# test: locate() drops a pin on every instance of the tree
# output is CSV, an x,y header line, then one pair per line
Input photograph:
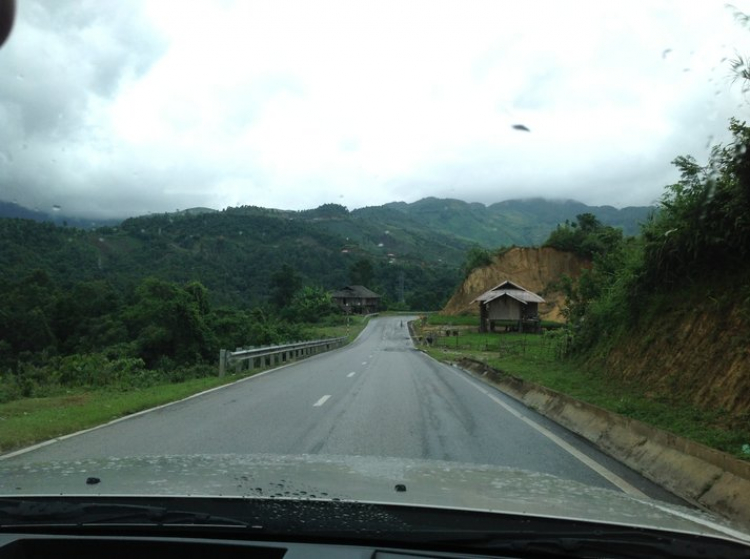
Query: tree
x,y
309,304
586,236
361,272
285,283
477,257
703,225
166,321
82,310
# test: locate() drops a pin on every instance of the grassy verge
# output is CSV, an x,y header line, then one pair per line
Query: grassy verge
x,y
457,320
31,420
535,358
338,327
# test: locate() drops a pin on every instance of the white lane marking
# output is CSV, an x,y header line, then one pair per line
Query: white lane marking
x,y
613,478
322,400
262,374
350,375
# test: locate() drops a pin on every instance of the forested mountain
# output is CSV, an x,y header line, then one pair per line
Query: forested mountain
x,y
415,250
433,224
234,254
513,222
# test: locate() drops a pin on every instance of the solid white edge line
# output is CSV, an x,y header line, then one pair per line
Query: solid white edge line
x,y
704,522
322,400
610,476
54,440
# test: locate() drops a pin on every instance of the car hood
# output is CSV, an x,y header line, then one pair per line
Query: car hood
x,y
389,481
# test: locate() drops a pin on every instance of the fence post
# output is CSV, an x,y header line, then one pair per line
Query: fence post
x,y
222,362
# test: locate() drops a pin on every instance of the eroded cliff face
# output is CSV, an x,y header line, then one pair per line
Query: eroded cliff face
x,y
536,269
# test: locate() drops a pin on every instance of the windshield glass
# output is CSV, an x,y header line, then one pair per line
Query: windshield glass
x,y
482,255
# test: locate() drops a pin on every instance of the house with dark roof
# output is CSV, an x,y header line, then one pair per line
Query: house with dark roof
x,y
510,305
356,299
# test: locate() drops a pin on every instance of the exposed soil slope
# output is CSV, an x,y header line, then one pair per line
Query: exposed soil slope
x,y
693,345
536,269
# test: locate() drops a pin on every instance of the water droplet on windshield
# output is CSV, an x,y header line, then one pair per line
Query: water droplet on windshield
x,y
56,208
521,127
665,53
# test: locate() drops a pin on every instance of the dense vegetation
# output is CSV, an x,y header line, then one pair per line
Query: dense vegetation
x,y
700,235
95,335
234,253
586,236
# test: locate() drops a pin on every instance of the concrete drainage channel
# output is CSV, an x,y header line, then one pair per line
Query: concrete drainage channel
x,y
706,477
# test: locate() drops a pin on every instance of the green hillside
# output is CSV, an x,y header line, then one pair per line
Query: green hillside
x,y
234,252
513,222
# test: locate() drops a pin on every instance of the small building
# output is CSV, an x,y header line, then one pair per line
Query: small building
x,y
356,299
510,305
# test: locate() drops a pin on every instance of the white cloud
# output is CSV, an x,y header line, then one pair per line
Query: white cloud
x,y
120,107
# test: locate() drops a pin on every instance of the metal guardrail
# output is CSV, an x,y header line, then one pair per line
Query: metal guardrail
x,y
274,355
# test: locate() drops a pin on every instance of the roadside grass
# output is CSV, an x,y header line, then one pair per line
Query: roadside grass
x,y
472,321
453,320
65,410
337,327
536,358
31,420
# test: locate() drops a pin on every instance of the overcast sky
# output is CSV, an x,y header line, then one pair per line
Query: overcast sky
x,y
110,108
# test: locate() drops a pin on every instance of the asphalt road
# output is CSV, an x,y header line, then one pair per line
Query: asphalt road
x,y
376,397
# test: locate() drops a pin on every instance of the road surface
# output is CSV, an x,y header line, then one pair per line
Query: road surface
x,y
379,396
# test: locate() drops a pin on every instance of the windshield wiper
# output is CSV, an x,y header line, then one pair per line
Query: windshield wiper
x,y
13,513
618,543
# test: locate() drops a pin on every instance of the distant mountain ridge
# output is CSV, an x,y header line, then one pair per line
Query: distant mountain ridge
x,y
521,222
13,210
235,251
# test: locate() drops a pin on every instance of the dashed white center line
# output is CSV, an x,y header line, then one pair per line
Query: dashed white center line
x,y
364,362
350,375
322,400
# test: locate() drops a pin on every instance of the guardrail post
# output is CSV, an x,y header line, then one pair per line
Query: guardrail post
x,y
222,362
